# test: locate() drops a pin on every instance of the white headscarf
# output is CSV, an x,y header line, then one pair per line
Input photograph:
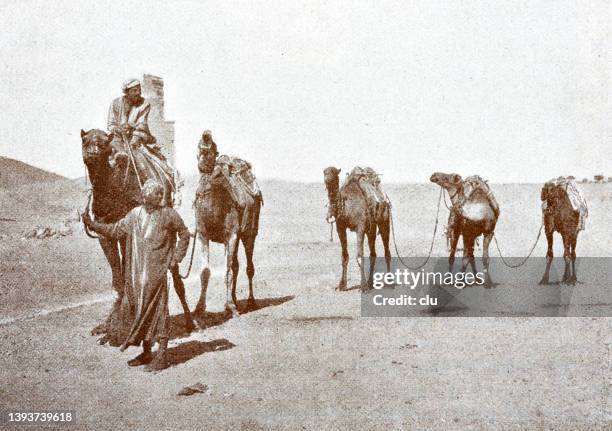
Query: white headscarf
x,y
130,83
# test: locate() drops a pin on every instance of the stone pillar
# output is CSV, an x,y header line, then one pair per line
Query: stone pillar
x,y
153,92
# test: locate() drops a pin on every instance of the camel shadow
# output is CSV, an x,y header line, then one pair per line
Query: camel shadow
x,y
210,319
189,350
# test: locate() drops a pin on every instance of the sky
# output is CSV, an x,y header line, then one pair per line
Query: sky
x,y
515,91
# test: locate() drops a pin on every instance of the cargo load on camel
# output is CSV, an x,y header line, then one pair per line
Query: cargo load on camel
x,y
240,175
243,186
575,197
475,183
369,183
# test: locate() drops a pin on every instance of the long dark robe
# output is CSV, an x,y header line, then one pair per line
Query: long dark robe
x,y
151,245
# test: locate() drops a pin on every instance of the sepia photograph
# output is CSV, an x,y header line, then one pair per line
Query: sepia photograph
x,y
238,215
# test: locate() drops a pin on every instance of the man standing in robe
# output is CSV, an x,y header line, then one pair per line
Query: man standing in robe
x,y
151,232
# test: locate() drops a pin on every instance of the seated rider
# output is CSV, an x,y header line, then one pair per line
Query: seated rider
x,y
128,121
231,172
211,174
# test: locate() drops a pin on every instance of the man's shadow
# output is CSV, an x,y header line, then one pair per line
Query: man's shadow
x,y
191,349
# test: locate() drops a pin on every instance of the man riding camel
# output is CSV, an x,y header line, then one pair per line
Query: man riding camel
x,y
133,144
235,171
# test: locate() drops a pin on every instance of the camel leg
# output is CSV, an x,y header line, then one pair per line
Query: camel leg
x,y
360,262
485,258
204,274
549,257
372,247
468,252
111,252
249,246
472,259
345,256
572,256
384,229
453,249
566,258
454,232
179,288
231,249
235,267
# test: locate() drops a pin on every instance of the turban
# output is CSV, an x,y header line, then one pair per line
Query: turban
x,y
151,186
129,84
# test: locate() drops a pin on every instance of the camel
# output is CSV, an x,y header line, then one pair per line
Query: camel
x,y
350,209
560,216
469,217
226,214
115,191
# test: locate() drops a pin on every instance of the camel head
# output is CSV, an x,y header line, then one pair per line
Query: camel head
x,y
96,146
446,181
207,153
552,192
331,176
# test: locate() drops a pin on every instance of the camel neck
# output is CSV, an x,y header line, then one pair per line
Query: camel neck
x,y
99,175
333,195
455,193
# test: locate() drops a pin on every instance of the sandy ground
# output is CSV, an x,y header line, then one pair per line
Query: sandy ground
x,y
305,359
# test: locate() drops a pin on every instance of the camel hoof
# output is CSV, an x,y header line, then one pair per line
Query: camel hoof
x,y
543,282
190,325
251,304
104,340
232,310
158,364
142,359
341,287
102,328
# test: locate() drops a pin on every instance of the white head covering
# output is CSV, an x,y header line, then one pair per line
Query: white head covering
x,y
151,186
130,83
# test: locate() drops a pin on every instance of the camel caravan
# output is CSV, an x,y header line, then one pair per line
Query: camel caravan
x,y
360,205
134,187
